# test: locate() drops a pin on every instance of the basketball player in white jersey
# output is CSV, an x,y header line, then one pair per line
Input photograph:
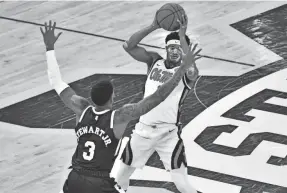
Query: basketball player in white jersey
x,y
159,129
92,163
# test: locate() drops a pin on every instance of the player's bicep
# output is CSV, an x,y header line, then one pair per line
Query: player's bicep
x,y
140,54
76,103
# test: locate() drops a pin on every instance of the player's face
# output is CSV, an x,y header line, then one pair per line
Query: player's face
x,y
174,53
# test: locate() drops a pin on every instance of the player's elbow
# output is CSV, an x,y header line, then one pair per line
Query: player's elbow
x,y
193,77
127,47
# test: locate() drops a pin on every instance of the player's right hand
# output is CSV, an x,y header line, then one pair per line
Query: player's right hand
x,y
191,55
183,21
49,35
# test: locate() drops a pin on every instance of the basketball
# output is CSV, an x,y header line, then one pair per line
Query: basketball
x,y
167,16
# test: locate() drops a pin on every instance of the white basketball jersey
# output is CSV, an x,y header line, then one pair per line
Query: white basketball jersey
x,y
168,110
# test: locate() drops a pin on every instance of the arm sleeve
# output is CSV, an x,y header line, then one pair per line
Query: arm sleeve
x,y
54,74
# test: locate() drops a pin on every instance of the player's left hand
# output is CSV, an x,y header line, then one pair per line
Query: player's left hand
x,y
49,35
183,21
191,55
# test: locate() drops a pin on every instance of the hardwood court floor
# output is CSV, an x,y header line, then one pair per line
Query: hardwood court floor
x,y
23,73
34,152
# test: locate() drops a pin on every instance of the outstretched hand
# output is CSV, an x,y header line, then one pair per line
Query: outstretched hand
x,y
49,35
191,55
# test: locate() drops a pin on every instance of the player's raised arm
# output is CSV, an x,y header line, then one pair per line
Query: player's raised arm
x,y
137,52
192,72
67,94
133,111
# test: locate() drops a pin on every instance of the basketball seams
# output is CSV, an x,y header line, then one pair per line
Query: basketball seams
x,y
165,16
174,9
171,22
175,12
163,10
171,4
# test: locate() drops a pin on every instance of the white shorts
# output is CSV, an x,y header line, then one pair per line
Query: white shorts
x,y
146,139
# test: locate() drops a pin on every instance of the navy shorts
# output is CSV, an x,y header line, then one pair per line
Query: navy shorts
x,y
81,183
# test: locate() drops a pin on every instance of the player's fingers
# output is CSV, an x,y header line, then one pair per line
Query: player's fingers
x,y
198,51
189,47
46,27
186,18
58,35
42,31
54,26
194,47
179,22
50,25
183,19
198,57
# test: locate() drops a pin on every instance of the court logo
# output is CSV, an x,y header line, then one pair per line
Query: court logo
x,y
244,134
237,145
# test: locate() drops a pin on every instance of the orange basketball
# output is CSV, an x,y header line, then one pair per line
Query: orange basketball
x,y
167,16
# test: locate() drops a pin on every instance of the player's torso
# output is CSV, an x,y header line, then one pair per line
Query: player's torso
x,y
167,111
96,141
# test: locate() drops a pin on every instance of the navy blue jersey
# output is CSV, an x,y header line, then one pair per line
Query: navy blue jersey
x,y
97,143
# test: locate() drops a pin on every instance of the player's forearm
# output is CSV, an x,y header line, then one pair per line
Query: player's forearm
x,y
192,73
139,36
164,91
183,43
54,74
134,111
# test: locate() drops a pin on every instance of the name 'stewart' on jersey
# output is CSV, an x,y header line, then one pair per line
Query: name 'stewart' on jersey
x,y
90,129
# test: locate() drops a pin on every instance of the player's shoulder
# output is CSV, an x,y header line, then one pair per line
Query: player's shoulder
x,y
155,58
84,115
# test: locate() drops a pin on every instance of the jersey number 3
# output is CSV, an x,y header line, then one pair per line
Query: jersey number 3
x,y
90,155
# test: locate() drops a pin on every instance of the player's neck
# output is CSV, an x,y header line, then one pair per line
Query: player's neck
x,y
102,108
169,64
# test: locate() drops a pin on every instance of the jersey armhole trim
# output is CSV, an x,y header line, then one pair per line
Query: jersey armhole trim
x,y
185,82
83,113
153,63
112,120
118,148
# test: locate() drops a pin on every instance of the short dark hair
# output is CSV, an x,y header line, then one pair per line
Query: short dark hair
x,y
175,36
101,92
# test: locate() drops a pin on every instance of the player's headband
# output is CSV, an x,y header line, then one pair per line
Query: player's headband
x,y
177,42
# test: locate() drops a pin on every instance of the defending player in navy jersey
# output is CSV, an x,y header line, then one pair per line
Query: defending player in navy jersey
x,y
159,129
99,127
